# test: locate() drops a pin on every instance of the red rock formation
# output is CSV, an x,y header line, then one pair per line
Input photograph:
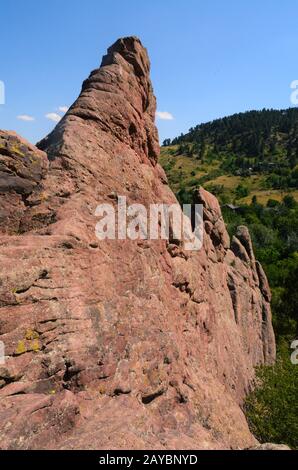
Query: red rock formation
x,y
119,344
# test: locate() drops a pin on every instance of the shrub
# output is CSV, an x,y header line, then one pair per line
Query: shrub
x,y
272,408
241,191
289,201
272,203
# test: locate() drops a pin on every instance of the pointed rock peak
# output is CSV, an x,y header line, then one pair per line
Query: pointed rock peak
x,y
132,50
117,99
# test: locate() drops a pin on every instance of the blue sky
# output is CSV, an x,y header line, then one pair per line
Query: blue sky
x,y
209,58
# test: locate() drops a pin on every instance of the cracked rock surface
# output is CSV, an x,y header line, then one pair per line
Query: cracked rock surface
x,y
119,344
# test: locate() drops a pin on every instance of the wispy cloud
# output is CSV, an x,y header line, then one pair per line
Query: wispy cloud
x,y
53,117
25,117
165,115
63,109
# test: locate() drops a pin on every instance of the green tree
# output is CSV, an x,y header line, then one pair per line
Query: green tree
x,y
272,408
289,201
241,191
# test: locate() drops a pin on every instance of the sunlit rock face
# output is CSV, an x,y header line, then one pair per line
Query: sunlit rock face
x,y
119,344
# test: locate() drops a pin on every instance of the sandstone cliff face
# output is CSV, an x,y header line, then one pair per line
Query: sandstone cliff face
x,y
119,344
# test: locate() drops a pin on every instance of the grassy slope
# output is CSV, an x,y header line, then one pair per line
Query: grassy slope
x,y
183,170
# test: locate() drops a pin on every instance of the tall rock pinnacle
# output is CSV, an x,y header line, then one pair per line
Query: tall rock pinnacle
x,y
119,343
118,98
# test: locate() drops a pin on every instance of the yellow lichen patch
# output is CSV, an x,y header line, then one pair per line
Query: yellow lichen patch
x,y
21,348
43,196
29,343
101,390
15,149
31,334
35,345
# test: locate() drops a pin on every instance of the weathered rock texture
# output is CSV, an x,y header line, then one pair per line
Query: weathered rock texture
x,y
119,344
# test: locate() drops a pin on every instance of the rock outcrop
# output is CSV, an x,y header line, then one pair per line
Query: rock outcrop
x,y
119,343
22,170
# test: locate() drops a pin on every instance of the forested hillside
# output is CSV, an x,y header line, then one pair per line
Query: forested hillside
x,y
261,145
250,162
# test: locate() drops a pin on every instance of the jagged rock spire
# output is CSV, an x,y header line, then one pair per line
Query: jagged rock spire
x,y
153,346
118,98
